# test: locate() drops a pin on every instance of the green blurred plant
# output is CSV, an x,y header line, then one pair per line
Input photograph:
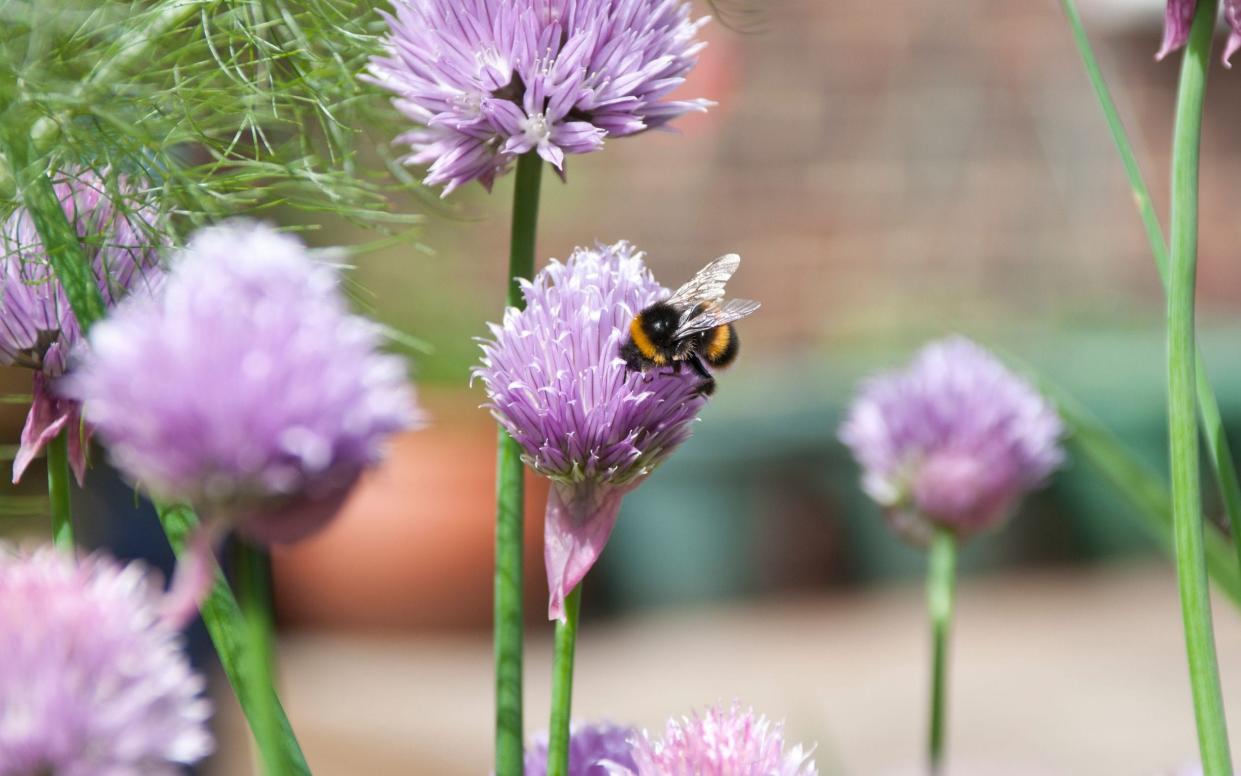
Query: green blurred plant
x,y
221,106
1188,394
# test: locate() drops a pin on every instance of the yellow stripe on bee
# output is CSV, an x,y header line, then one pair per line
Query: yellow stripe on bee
x,y
643,343
720,340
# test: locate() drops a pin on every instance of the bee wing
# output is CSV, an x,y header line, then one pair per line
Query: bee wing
x,y
708,284
717,315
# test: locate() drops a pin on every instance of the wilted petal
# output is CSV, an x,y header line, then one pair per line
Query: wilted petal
x,y
192,579
1232,14
79,442
579,520
1178,18
48,416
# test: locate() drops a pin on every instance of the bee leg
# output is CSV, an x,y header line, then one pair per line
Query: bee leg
x,y
707,386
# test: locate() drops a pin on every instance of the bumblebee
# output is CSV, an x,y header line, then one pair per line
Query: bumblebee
x,y
693,325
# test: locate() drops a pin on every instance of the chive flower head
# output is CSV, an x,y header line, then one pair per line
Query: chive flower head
x,y
557,384
244,386
595,749
723,741
954,440
93,680
120,236
486,81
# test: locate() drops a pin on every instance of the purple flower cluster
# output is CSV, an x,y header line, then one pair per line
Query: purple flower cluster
x,y
489,80
721,742
37,327
954,440
93,681
1179,17
730,741
245,386
555,381
596,749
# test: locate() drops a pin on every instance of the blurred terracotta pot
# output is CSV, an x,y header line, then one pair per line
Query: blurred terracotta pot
x,y
413,545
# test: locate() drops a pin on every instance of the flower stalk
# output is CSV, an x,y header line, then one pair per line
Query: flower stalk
x,y
510,499
940,584
229,633
1182,408
58,490
254,585
562,685
1218,451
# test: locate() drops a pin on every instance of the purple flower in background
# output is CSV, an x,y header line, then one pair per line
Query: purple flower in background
x,y
555,381
954,440
489,80
721,742
597,749
37,327
245,386
1179,17
93,681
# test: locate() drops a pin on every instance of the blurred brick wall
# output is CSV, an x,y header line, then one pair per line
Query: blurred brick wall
x,y
885,167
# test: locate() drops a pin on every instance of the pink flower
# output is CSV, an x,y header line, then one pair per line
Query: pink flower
x,y
722,741
93,680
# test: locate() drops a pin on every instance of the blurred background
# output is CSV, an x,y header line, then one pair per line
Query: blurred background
x,y
890,173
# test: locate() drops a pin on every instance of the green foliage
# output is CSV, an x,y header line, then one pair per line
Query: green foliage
x,y
224,106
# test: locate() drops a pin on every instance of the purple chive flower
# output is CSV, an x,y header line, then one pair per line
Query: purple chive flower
x,y
245,386
489,80
37,326
556,382
721,742
954,440
596,749
1179,17
93,681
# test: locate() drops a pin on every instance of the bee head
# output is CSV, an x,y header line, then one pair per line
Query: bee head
x,y
660,322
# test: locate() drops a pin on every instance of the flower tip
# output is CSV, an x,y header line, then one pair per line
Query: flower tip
x,y
190,582
1234,43
576,528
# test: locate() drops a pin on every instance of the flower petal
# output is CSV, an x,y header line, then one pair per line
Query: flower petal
x,y
579,520
1232,14
1177,19
47,417
192,579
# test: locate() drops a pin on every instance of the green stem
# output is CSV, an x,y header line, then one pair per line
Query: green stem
x,y
940,581
1140,484
58,490
253,570
1187,519
562,685
126,54
1218,450
510,501
229,633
